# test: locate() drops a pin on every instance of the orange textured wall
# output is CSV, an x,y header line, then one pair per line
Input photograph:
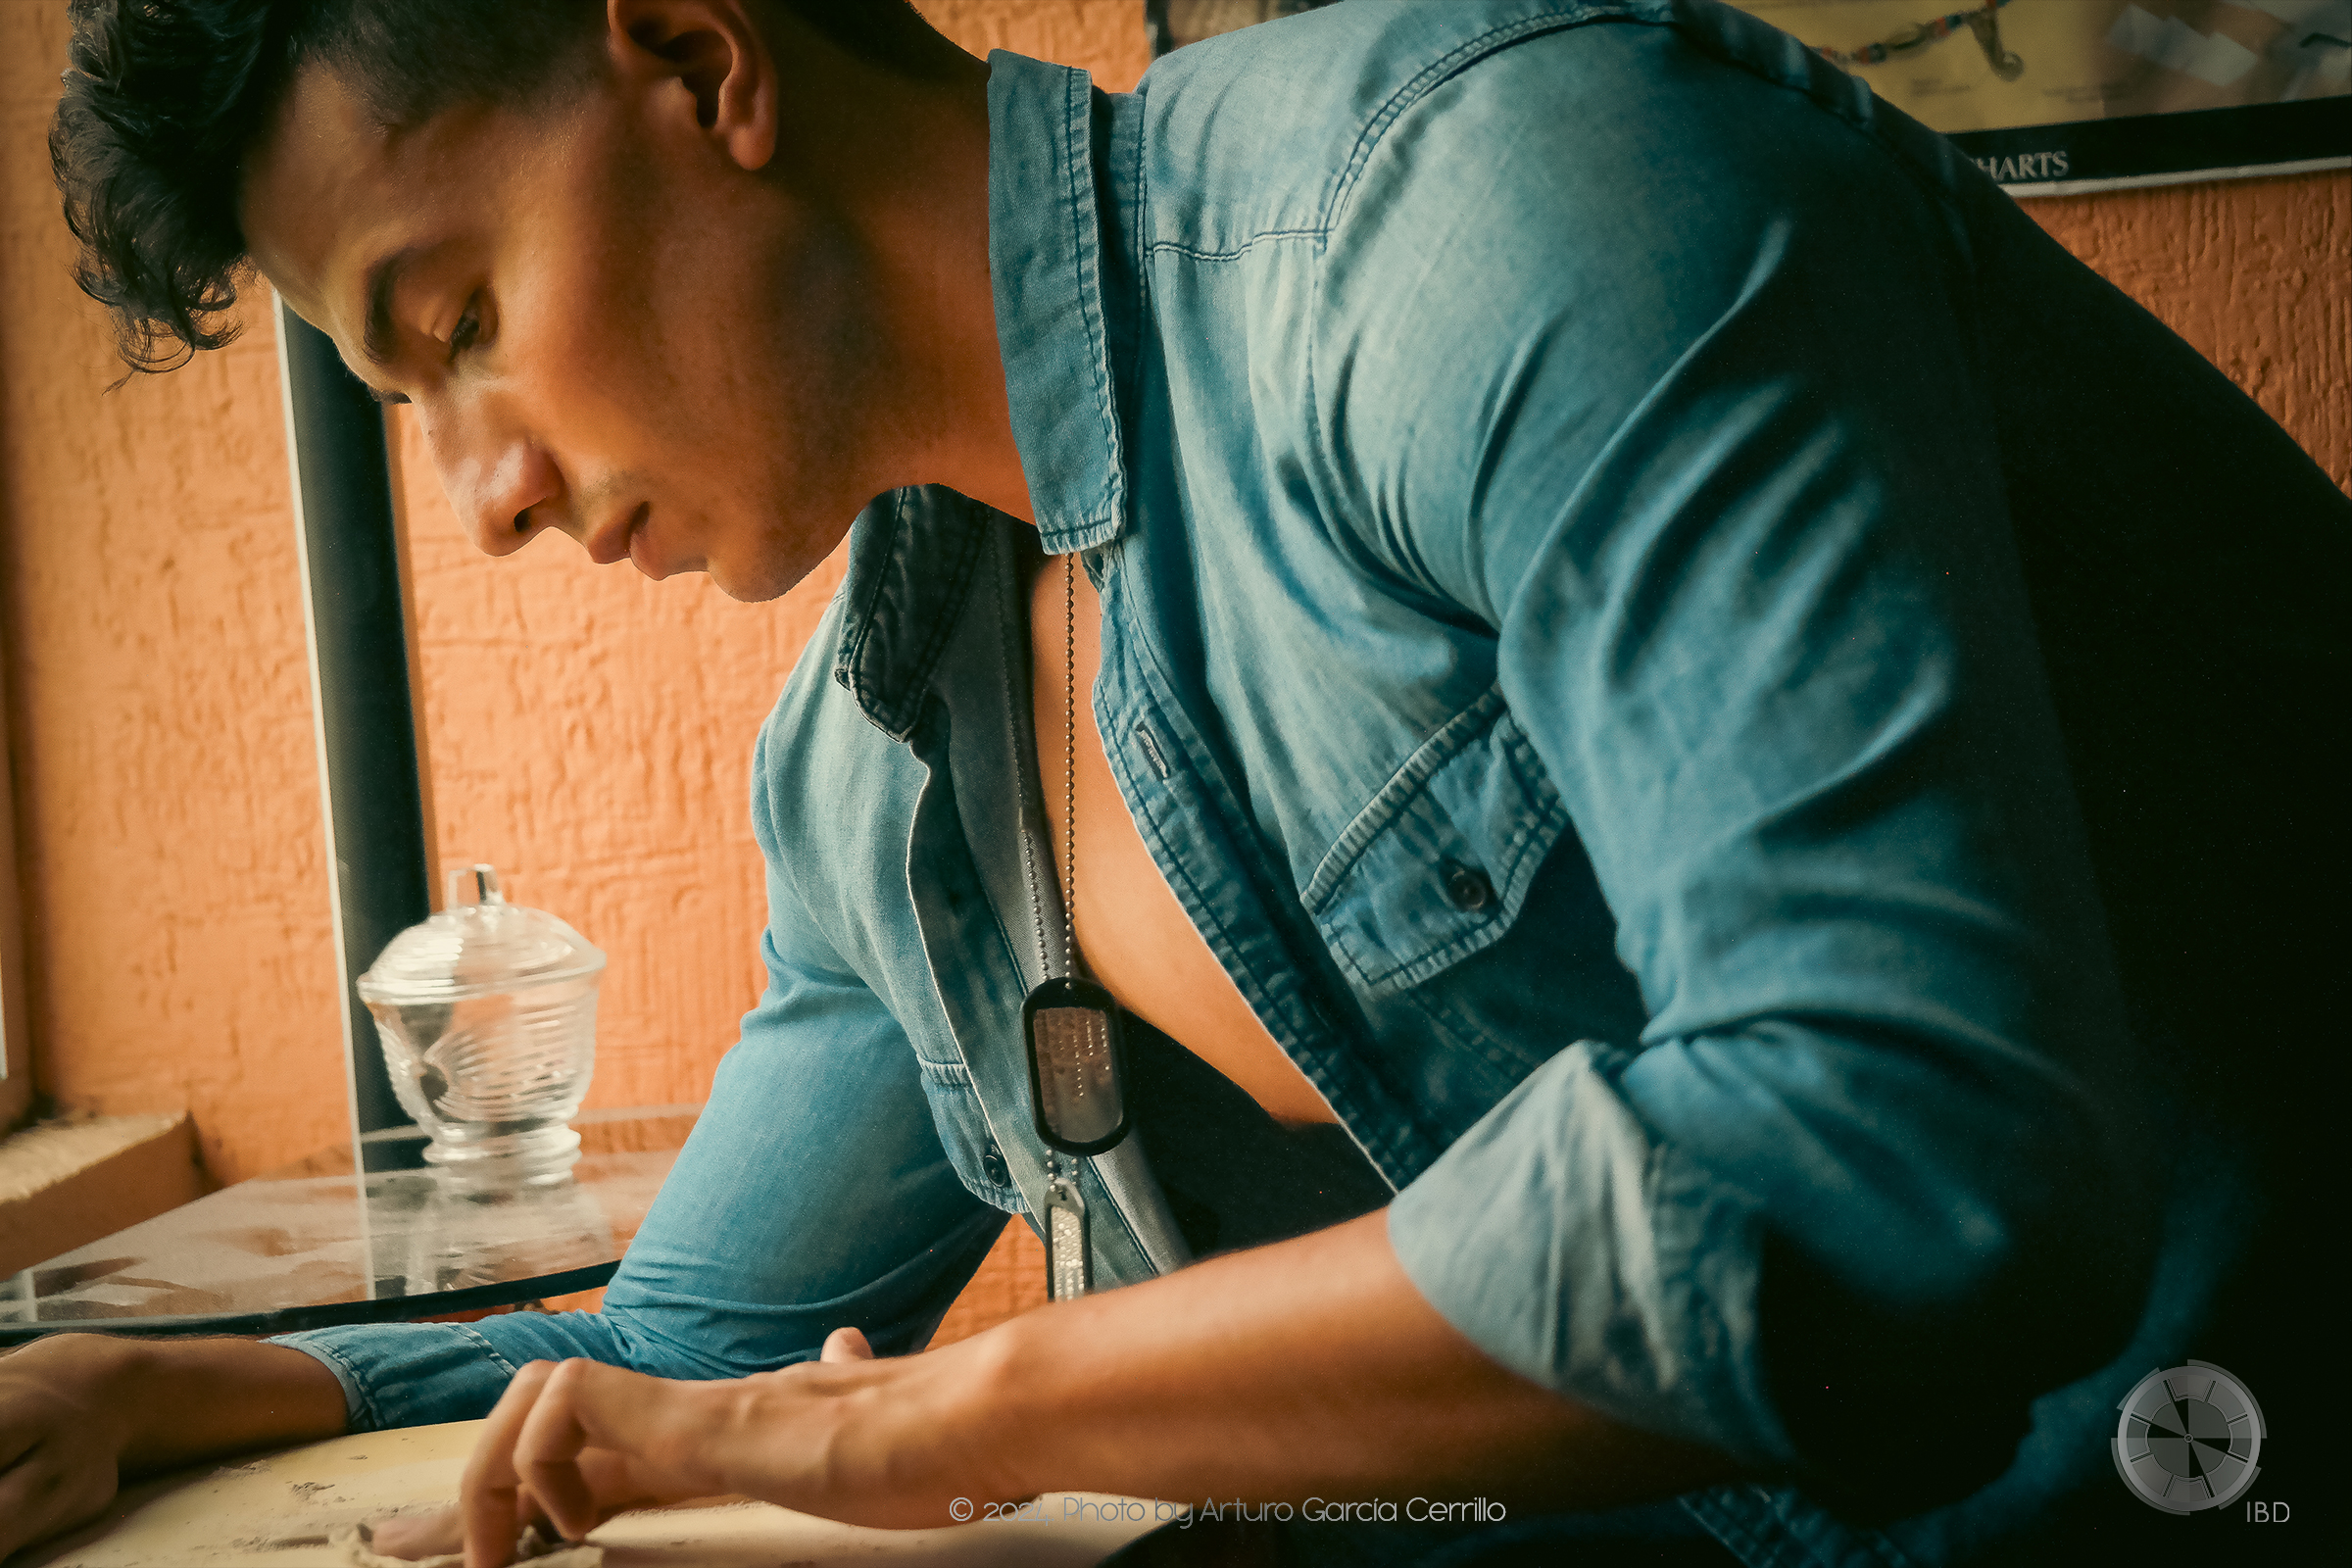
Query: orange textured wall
x,y
2257,274
586,730
170,853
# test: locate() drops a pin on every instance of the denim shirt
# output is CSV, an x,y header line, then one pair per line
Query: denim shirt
x,y
1575,661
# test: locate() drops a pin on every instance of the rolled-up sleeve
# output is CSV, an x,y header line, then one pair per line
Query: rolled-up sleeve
x,y
1649,1311
1717,468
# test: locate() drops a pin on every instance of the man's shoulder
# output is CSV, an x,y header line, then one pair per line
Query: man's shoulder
x,y
1268,132
1260,131
1253,133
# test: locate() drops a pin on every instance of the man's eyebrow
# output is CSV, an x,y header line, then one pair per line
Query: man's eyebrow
x,y
376,342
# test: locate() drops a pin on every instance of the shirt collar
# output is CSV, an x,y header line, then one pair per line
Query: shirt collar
x,y
911,556
1046,255
912,553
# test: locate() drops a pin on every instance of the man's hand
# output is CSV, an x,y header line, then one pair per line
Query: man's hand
x,y
63,1428
573,1443
80,1411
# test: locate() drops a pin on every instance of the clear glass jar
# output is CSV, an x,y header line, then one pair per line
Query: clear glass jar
x,y
487,1017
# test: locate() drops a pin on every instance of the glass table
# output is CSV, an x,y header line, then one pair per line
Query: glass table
x,y
320,1241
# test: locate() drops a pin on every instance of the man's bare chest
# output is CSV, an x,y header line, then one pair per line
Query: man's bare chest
x,y
1132,934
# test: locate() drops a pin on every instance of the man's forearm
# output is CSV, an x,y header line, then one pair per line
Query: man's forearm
x,y
182,1400
220,1395
1312,1368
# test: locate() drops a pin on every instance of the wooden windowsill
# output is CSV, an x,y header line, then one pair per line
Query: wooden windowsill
x,y
68,1182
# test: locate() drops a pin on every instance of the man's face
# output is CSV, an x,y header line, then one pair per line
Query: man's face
x,y
607,326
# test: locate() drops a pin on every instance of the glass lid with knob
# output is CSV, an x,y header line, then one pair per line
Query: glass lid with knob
x,y
475,949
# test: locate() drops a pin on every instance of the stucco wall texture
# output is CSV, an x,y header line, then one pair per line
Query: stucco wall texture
x,y
586,730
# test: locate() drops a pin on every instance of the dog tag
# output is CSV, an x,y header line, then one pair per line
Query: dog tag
x,y
1070,1269
1075,1063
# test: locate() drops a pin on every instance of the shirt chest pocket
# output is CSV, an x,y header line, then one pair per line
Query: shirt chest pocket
x,y
964,1131
1436,866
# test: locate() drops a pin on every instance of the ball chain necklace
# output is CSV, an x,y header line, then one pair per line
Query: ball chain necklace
x,y
1071,1024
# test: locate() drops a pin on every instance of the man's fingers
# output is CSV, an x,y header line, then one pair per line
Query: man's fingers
x,y
581,1449
490,1503
547,1450
572,1442
41,1493
420,1534
846,1345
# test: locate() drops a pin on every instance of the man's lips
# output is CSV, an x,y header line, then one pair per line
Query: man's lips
x,y
641,550
617,539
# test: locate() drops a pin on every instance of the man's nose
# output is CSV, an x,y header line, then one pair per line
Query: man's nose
x,y
505,490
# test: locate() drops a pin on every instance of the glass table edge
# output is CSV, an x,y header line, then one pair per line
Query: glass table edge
x,y
322,1315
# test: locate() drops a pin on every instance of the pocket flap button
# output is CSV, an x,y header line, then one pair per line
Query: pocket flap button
x,y
1467,887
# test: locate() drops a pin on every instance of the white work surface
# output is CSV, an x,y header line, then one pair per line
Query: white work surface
x,y
278,1510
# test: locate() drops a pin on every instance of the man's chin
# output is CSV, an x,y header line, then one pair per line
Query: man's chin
x,y
773,565
756,583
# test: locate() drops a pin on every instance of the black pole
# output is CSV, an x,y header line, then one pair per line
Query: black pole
x,y
366,723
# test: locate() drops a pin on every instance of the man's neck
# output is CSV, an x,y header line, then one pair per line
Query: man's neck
x,y
907,162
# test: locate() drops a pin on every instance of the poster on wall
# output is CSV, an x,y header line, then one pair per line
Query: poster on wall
x,y
2051,97
2057,96
1173,23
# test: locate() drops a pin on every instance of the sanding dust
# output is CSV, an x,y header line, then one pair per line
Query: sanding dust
x,y
357,1539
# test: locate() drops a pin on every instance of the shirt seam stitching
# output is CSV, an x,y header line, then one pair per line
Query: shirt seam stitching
x,y
1376,128
956,589
1395,1140
355,1387
957,1075
1203,254
1005,586
1434,75
1864,124
488,1348
1407,779
1078,125
853,657
1151,826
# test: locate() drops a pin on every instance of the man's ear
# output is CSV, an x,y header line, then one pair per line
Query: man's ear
x,y
708,51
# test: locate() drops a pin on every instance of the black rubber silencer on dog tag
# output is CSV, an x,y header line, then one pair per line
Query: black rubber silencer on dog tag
x,y
1075,1066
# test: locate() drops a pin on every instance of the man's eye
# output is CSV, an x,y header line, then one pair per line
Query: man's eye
x,y
467,333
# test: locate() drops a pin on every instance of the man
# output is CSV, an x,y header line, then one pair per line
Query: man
x,y
1646,652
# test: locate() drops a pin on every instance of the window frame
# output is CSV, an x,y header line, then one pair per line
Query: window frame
x,y
16,1041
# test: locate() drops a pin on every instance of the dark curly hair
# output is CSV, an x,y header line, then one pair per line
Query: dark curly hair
x,y
164,98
